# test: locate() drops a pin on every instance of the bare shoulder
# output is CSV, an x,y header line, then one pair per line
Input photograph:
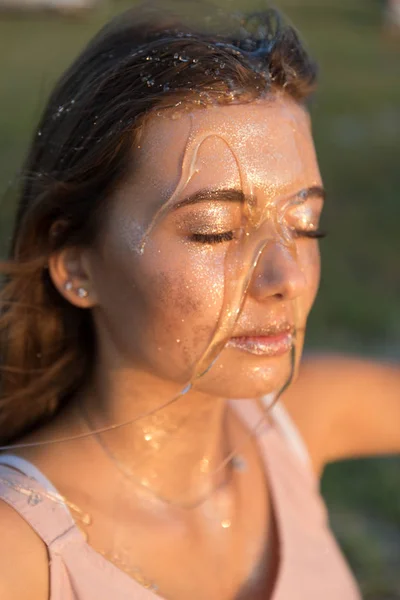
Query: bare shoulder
x,y
24,565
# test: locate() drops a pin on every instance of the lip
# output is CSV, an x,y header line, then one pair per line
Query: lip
x,y
273,344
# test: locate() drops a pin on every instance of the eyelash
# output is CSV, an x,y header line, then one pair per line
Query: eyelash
x,y
212,238
317,234
227,236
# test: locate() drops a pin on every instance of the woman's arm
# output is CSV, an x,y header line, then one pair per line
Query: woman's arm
x,y
346,407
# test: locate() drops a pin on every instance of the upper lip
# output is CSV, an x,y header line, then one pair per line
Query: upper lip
x,y
266,331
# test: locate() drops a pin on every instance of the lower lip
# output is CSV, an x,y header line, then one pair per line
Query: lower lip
x,y
274,345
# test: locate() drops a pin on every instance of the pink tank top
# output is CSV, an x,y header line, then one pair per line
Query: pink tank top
x,y
311,565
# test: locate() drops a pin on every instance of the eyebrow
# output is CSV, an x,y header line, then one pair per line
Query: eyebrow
x,y
236,195
207,195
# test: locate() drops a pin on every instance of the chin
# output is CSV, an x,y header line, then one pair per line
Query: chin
x,y
248,376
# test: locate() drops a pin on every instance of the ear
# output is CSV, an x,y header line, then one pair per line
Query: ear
x,y
70,272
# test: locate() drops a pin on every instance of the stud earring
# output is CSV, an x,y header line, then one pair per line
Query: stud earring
x,y
68,286
82,293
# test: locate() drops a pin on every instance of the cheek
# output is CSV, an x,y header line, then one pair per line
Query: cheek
x,y
172,294
185,289
184,297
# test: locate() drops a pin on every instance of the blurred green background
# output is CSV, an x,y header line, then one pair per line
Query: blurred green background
x,y
356,117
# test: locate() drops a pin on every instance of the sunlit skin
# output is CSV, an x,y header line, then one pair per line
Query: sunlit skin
x,y
161,482
172,295
156,312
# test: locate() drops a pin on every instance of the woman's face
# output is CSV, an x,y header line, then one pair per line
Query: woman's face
x,y
213,224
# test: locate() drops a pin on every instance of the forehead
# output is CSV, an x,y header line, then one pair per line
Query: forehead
x,y
266,145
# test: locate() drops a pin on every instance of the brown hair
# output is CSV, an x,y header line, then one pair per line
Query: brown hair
x,y
83,148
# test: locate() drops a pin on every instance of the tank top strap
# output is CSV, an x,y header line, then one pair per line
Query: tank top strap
x,y
34,498
287,429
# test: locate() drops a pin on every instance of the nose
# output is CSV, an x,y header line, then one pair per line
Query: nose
x,y
277,274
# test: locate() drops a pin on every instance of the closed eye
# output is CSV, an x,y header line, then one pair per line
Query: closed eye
x,y
212,238
227,236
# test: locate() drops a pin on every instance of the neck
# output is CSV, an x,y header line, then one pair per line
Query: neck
x,y
175,450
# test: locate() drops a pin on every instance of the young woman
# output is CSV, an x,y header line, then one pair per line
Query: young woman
x,y
163,265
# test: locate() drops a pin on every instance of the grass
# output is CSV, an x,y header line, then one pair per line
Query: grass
x,y
356,117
